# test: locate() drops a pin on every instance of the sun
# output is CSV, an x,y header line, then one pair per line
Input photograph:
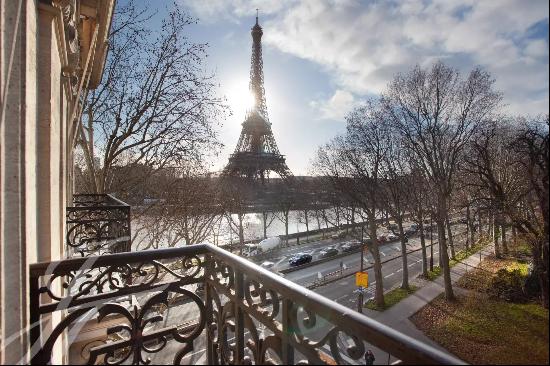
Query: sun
x,y
240,98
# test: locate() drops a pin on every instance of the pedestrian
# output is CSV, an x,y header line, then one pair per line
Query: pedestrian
x,y
369,358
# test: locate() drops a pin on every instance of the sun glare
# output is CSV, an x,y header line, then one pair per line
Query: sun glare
x,y
240,98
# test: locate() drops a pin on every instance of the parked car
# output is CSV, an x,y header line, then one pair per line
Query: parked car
x,y
299,259
410,231
351,246
267,264
328,252
382,239
392,237
392,227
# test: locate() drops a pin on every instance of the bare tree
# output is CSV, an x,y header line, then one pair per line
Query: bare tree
x,y
495,175
436,112
234,199
532,143
418,206
184,215
396,192
353,165
155,108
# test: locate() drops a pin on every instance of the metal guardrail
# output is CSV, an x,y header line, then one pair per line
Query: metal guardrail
x,y
98,224
247,314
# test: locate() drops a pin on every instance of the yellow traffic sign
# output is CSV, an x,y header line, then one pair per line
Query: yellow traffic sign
x,y
362,279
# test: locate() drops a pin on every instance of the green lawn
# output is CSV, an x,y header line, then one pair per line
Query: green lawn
x,y
483,331
391,298
432,275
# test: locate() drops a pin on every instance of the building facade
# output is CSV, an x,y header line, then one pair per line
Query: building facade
x,y
51,53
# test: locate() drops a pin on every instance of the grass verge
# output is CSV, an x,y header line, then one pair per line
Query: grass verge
x,y
432,275
483,331
463,254
391,298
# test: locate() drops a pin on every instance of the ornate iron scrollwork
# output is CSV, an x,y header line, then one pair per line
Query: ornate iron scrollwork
x,y
246,314
97,224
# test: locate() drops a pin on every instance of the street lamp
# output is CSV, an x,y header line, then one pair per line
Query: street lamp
x,y
360,298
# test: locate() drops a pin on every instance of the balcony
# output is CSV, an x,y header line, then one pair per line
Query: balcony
x,y
97,224
142,307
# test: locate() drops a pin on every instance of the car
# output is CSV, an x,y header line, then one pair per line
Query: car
x,y
267,264
392,237
382,239
299,259
328,252
410,231
347,247
351,246
392,227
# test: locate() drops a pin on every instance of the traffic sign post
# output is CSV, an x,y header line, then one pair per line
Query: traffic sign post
x,y
362,281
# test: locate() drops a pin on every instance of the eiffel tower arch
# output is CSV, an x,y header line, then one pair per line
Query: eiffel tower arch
x,y
256,154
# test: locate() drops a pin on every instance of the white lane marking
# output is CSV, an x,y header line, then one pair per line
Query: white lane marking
x,y
384,254
418,261
412,264
194,353
389,275
399,270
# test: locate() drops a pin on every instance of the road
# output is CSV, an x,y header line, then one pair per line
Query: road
x,y
342,290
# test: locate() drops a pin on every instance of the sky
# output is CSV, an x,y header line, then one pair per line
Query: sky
x,y
324,57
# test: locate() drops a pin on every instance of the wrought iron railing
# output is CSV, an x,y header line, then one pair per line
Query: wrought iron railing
x,y
245,314
97,224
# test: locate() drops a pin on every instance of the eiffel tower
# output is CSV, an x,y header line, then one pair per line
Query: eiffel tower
x,y
256,154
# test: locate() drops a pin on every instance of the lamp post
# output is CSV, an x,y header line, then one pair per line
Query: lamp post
x,y
431,244
360,298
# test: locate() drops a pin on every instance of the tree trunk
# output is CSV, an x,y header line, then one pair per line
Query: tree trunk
x,y
450,236
442,215
319,225
379,289
495,226
431,245
472,230
423,246
286,226
405,275
504,241
307,224
264,215
479,224
241,234
468,228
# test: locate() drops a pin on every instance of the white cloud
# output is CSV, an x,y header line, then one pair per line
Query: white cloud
x,y
363,44
212,10
336,107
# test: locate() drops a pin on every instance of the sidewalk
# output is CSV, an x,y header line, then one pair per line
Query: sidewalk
x,y
397,317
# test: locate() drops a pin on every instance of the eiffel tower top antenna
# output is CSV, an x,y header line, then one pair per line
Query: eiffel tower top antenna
x,y
257,15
